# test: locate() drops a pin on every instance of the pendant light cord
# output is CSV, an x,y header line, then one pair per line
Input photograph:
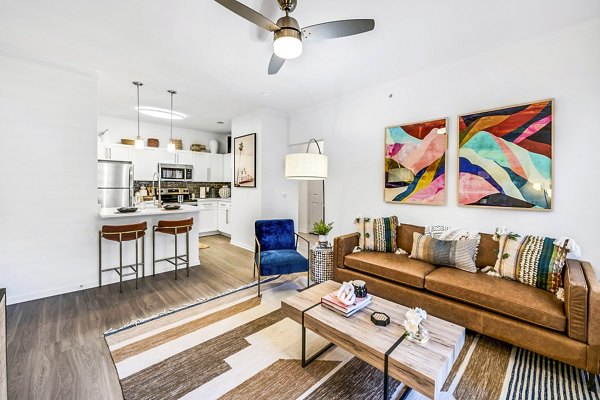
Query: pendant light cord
x,y
138,109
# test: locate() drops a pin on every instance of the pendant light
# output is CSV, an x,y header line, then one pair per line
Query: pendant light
x,y
171,145
139,142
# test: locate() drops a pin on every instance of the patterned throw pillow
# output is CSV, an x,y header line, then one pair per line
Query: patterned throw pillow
x,y
533,260
452,253
377,234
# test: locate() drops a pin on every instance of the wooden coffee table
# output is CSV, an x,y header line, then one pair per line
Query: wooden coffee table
x,y
422,367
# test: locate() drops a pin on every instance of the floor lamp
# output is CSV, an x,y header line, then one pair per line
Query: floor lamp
x,y
307,167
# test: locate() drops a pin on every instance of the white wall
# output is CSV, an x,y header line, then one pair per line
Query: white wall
x,y
564,66
274,196
48,162
246,203
127,129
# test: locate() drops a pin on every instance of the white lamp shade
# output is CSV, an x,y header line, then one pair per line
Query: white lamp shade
x,y
306,166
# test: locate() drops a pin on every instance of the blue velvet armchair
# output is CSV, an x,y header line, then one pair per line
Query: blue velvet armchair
x,y
276,246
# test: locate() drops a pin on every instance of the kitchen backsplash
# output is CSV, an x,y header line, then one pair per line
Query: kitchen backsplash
x,y
211,191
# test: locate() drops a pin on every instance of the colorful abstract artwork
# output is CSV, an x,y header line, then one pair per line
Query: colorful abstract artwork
x,y
505,157
415,163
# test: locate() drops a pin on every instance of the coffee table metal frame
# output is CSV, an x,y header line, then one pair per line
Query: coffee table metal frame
x,y
386,379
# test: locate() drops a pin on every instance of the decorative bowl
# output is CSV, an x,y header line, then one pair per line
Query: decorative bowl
x,y
171,207
125,210
129,142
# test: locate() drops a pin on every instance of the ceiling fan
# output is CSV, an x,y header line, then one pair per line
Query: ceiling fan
x,y
288,35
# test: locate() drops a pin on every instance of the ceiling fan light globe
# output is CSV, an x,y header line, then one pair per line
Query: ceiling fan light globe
x,y
287,44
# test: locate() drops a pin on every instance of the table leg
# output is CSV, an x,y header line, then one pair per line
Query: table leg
x,y
386,383
305,361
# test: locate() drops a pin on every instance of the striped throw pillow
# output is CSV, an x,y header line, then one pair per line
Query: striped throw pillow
x,y
533,260
377,234
451,253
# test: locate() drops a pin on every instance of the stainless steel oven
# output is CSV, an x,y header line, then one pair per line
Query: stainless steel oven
x,y
175,172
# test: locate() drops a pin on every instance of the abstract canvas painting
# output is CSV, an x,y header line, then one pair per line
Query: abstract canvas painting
x,y
415,163
505,157
244,161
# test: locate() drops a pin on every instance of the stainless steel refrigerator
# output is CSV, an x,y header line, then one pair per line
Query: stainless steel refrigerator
x,y
115,183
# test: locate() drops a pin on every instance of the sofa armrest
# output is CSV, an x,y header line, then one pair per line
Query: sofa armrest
x,y
576,301
593,330
342,246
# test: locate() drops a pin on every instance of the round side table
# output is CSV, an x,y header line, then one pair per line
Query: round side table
x,y
321,264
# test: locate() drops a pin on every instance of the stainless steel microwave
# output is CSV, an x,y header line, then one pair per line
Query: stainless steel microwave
x,y
175,172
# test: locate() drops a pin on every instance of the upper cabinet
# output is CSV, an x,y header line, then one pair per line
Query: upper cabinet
x,y
145,163
216,168
116,152
201,163
175,157
227,168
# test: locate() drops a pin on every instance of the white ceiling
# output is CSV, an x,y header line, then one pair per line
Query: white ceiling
x,y
218,62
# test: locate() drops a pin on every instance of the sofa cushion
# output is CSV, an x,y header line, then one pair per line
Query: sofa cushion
x,y
405,236
377,234
395,267
510,298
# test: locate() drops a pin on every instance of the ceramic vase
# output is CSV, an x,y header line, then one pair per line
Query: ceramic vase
x,y
225,192
213,146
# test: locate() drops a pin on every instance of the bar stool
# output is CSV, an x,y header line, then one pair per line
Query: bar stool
x,y
123,233
173,228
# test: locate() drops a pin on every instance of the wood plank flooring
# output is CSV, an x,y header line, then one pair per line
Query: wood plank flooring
x,y
55,345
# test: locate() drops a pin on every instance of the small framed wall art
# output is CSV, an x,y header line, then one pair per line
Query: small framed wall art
x,y
244,161
415,163
505,157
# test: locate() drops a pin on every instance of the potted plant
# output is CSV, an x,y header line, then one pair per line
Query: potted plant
x,y
322,229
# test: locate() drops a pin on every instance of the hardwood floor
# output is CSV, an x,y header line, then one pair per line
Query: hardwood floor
x,y
55,345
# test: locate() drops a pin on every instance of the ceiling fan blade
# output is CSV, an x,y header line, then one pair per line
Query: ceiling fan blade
x,y
336,29
249,14
275,64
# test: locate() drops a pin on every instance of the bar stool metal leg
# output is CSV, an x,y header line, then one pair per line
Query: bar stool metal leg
x,y
100,258
120,266
137,264
153,251
143,256
176,259
187,251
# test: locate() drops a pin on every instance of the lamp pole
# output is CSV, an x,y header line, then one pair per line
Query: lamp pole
x,y
322,181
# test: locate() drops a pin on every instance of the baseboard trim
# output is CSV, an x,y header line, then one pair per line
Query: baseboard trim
x,y
242,245
88,285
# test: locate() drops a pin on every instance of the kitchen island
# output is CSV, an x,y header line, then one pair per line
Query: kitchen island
x,y
165,244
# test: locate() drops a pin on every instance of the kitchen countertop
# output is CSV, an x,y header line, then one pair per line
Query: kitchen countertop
x,y
215,199
149,211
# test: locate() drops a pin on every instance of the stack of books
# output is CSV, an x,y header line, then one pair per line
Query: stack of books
x,y
331,302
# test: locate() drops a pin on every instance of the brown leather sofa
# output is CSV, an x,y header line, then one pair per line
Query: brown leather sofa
x,y
524,316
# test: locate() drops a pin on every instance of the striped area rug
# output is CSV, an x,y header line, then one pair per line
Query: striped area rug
x,y
241,347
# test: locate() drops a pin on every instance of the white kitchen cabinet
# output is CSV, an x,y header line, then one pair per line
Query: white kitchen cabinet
x,y
216,168
175,157
115,152
227,168
208,220
184,157
201,163
224,217
166,157
145,163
